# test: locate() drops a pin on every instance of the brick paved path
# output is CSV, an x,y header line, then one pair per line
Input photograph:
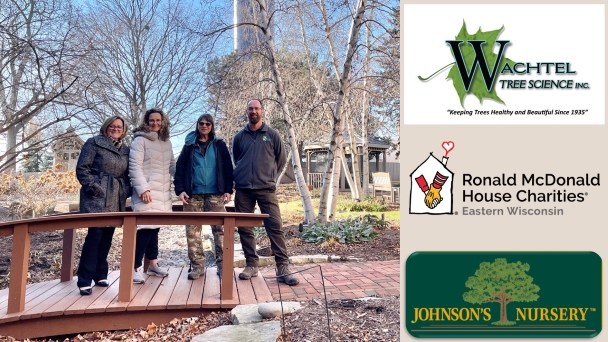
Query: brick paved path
x,y
343,280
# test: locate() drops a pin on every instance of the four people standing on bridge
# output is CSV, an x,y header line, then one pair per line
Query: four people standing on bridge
x,y
203,181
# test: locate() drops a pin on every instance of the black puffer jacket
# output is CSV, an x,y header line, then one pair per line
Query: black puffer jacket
x,y
103,172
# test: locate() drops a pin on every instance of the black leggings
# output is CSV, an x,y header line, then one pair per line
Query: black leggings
x,y
146,243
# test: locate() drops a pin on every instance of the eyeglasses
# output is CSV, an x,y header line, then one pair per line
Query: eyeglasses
x,y
205,124
118,128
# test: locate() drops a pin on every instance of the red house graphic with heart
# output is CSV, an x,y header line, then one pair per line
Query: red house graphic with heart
x,y
431,185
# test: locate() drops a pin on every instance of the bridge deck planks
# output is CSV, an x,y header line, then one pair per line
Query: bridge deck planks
x,y
62,300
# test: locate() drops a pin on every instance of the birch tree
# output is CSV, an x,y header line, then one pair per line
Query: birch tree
x,y
330,190
309,214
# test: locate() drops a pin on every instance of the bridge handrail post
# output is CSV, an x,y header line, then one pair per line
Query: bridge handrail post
x,y
127,260
19,264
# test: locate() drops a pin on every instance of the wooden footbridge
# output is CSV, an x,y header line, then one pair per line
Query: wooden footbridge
x,y
57,308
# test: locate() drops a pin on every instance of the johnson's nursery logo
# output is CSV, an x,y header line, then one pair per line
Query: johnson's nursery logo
x,y
504,297
436,198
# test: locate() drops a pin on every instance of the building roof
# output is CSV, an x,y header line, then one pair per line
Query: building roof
x,y
69,136
323,143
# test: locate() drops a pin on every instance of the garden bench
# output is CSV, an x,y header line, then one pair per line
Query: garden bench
x,y
381,181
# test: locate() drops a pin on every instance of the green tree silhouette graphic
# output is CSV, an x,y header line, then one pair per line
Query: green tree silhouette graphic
x,y
501,282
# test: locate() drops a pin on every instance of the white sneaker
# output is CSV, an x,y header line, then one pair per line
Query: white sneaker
x,y
156,271
138,277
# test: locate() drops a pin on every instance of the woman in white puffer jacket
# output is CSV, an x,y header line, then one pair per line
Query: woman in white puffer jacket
x,y
151,166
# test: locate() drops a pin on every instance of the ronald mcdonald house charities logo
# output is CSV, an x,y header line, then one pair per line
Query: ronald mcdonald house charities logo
x,y
503,294
436,198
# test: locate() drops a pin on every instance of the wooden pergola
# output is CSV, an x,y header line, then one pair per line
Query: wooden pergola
x,y
316,157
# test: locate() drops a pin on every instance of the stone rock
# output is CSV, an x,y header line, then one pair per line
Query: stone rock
x,y
299,259
273,309
256,332
245,314
239,261
307,259
319,258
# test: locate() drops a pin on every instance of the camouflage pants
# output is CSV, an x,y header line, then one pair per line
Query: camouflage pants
x,y
204,203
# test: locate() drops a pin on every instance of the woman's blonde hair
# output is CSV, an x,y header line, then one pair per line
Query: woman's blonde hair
x,y
108,122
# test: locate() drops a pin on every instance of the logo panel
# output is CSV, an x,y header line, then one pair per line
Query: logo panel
x,y
503,294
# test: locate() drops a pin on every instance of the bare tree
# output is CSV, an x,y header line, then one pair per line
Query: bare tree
x,y
234,79
309,34
39,62
360,59
386,99
148,54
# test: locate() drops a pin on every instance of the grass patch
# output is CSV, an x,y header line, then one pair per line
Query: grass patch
x,y
368,204
293,212
504,324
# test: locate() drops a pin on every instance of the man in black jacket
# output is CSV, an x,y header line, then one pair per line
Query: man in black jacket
x,y
259,155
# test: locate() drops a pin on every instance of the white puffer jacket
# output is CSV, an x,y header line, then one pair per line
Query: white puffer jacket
x,y
151,166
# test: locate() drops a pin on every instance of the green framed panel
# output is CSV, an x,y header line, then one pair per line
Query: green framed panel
x,y
503,294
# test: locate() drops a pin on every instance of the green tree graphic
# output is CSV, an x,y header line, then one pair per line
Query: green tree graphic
x,y
501,282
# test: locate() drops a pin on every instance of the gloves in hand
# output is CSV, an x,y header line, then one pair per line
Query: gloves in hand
x,y
432,198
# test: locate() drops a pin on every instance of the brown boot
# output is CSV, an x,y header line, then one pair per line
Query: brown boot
x,y
284,276
196,272
248,272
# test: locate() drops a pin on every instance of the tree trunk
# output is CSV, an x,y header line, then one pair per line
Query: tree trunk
x,y
337,136
503,306
355,188
309,213
11,155
365,113
278,181
349,178
338,152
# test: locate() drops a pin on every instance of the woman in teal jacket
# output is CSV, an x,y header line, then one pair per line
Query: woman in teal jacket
x,y
203,181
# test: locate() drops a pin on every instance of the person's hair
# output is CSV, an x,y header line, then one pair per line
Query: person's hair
x,y
260,101
163,134
209,118
108,122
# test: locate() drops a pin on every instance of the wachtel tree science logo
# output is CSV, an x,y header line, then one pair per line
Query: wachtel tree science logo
x,y
477,67
503,294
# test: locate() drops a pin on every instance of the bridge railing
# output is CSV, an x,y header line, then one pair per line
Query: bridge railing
x,y
21,231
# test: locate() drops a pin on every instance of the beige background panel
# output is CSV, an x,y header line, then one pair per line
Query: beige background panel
x,y
490,151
